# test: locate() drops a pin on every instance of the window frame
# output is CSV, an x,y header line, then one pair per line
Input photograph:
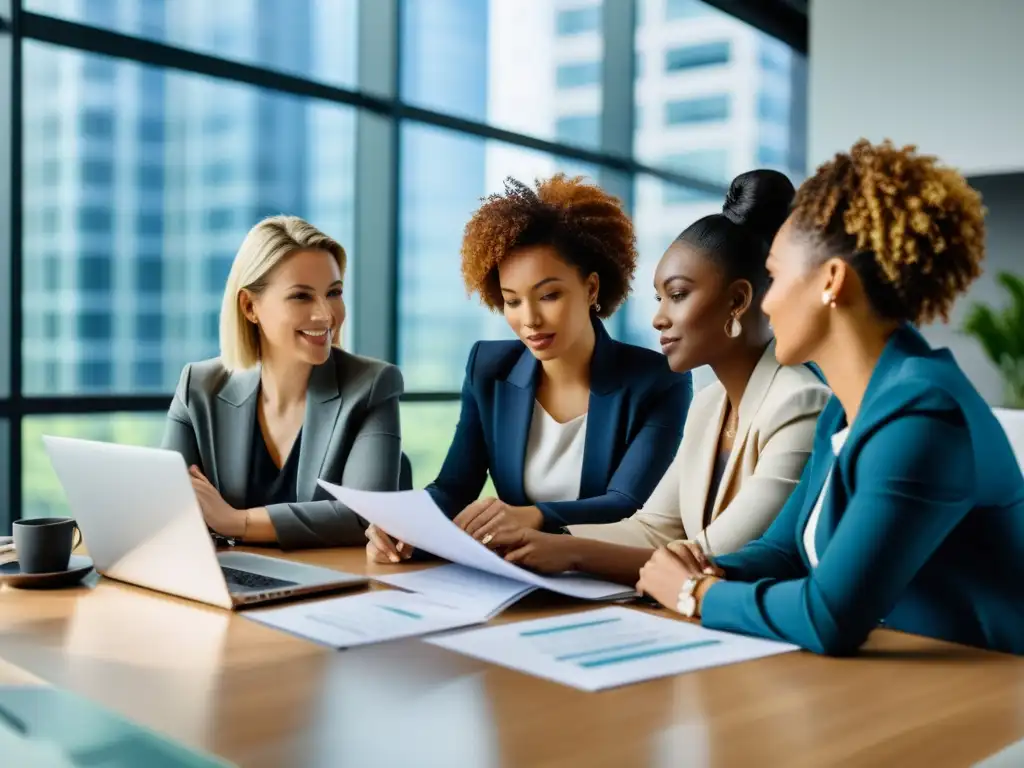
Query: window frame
x,y
380,114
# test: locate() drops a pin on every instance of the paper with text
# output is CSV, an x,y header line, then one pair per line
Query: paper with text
x,y
459,586
607,647
413,517
372,617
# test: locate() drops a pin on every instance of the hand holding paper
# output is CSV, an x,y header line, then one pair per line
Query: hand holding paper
x,y
412,517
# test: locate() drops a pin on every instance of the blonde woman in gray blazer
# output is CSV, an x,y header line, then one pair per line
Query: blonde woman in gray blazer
x,y
747,437
283,405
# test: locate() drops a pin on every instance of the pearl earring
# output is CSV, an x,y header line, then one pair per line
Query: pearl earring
x,y
733,327
828,299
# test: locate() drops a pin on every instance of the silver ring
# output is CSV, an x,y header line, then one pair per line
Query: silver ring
x,y
487,539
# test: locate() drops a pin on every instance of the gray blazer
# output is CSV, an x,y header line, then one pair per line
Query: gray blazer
x,y
351,436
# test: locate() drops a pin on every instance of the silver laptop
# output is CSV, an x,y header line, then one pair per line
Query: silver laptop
x,y
142,524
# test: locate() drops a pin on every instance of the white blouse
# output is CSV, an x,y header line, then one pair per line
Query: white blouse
x,y
554,457
838,440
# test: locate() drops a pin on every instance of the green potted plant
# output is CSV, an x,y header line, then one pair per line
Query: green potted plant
x,y
1001,334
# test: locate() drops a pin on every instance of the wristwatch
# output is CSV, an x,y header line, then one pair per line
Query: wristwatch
x,y
687,602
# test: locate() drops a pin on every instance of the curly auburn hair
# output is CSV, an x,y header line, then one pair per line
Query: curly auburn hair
x,y
912,229
585,224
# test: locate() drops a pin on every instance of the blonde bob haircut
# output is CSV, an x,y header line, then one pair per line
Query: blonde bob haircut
x,y
268,244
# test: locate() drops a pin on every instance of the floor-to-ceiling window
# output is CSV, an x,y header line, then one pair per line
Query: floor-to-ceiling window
x,y
141,139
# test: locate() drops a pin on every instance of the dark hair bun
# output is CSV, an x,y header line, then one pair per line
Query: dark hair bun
x,y
759,201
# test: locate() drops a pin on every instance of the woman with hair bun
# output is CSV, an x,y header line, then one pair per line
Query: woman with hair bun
x,y
747,436
910,513
571,425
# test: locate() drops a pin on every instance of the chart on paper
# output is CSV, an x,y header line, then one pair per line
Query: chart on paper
x,y
608,647
372,617
607,641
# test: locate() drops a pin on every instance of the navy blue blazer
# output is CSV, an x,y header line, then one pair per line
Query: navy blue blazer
x,y
637,409
922,528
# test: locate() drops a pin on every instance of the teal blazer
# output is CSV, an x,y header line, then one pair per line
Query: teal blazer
x,y
922,529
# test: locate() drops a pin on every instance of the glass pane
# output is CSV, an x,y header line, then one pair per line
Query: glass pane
x,y
532,67
137,193
5,485
444,175
716,97
427,431
661,212
310,38
42,493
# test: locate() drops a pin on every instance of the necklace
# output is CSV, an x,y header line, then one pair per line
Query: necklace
x,y
731,423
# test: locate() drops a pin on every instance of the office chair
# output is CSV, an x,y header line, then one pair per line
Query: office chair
x,y
405,474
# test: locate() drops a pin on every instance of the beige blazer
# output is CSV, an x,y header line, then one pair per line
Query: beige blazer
x,y
777,417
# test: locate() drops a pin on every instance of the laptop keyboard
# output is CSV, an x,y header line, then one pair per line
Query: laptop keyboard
x,y
244,581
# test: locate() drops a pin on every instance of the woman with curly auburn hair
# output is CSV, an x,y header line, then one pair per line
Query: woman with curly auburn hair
x,y
572,426
910,513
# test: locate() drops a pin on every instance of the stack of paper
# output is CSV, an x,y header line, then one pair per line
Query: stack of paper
x,y
412,517
474,591
446,597
607,647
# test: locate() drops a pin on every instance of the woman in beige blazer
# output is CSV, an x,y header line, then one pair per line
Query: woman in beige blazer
x,y
747,436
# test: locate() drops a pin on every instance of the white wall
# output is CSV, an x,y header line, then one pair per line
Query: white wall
x,y
1003,195
947,75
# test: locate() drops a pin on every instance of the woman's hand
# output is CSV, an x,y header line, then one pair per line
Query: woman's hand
x,y
691,552
381,548
541,552
219,515
664,574
485,518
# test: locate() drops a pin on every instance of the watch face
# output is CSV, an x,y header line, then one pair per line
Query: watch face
x,y
687,603
687,606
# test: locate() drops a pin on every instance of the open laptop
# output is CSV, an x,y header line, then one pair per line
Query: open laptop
x,y
142,524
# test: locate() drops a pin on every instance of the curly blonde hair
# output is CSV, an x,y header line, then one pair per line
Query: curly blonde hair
x,y
585,224
912,228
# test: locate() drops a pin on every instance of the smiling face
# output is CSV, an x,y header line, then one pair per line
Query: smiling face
x,y
546,300
695,303
300,311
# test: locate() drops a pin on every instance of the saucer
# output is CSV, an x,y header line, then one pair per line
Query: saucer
x,y
78,567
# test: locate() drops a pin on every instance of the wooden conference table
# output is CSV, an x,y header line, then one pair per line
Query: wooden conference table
x,y
258,697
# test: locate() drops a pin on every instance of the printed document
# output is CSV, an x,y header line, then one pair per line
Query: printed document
x,y
413,517
371,617
607,647
458,586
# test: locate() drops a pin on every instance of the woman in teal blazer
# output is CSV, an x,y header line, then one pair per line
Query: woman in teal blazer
x,y
910,512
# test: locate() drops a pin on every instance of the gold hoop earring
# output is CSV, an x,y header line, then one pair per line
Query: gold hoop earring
x,y
733,328
828,299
